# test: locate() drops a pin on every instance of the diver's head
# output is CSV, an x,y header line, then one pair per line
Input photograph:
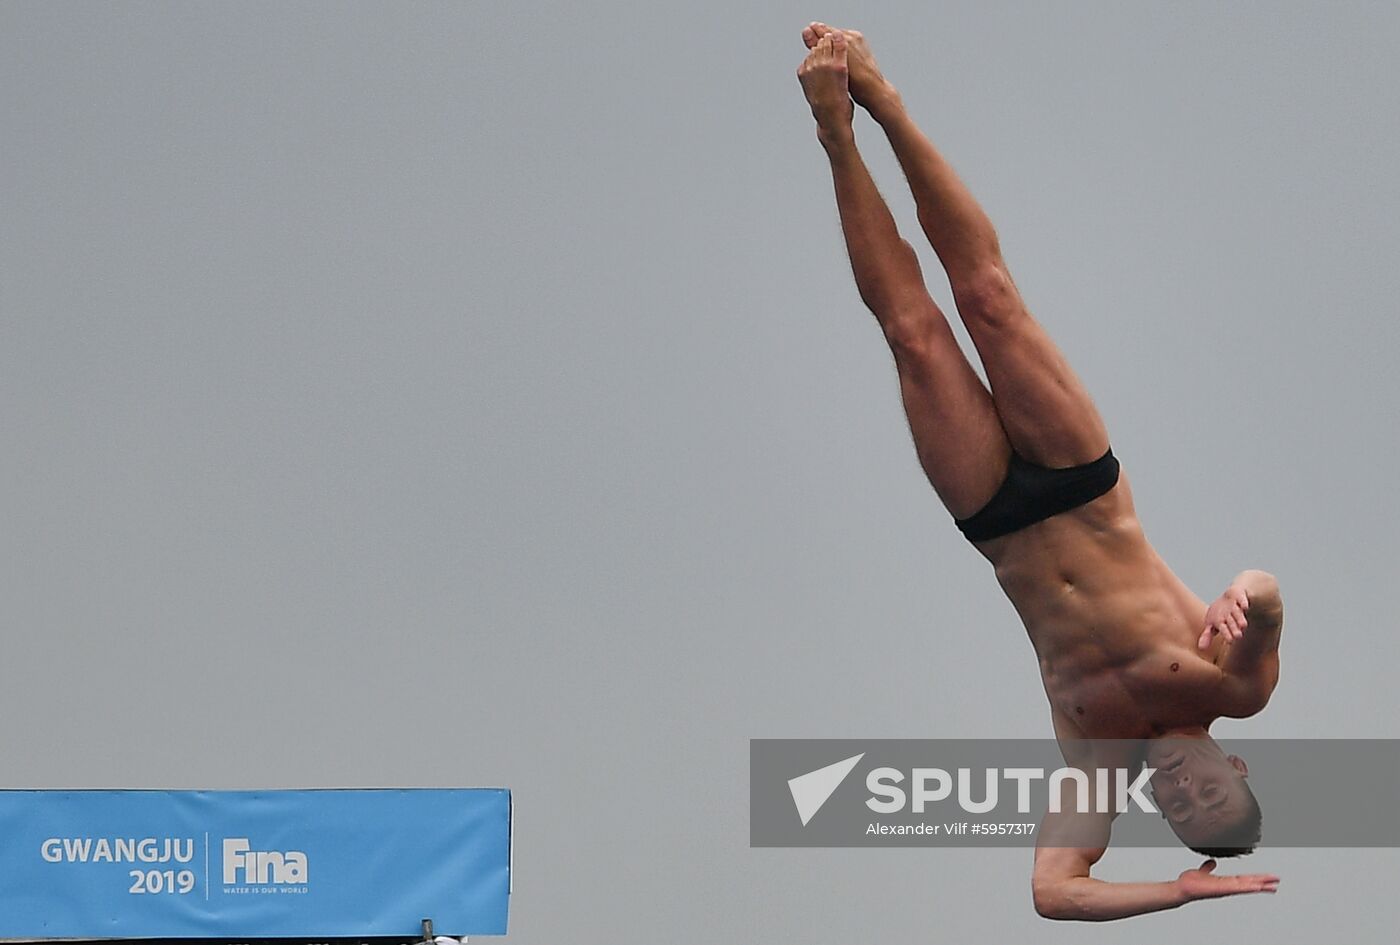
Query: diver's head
x,y
1203,796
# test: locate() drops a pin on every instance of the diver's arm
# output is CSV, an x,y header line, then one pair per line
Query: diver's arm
x,y
1091,900
1061,886
1063,889
1068,845
1249,614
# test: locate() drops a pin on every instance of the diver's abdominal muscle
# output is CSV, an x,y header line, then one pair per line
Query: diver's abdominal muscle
x,y
1105,598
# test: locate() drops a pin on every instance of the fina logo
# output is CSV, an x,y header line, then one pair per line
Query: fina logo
x,y
259,867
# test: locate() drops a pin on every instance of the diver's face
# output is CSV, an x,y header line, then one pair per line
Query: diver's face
x,y
1197,788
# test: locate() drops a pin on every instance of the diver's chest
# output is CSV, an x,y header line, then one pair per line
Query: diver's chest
x,y
1165,687
1099,704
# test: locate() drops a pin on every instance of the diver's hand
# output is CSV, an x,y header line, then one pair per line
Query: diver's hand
x,y
1204,884
1226,616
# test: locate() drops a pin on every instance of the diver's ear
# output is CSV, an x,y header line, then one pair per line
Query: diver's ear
x,y
1238,764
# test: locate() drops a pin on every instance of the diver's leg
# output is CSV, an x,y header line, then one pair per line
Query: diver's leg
x,y
955,427
1044,408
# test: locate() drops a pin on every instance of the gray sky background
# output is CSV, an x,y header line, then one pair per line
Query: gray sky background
x,y
477,394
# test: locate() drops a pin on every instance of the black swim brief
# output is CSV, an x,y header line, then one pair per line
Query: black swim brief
x,y
1032,493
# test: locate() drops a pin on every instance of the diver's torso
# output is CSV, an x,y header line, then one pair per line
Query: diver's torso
x,y
1114,629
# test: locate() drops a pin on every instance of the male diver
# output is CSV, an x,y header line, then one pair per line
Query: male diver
x,y
1128,654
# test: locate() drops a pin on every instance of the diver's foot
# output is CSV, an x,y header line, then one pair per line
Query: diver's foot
x,y
823,75
869,87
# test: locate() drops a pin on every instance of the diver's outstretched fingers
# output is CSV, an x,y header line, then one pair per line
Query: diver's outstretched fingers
x,y
1200,883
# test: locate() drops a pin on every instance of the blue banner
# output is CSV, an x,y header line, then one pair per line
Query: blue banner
x,y
253,864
